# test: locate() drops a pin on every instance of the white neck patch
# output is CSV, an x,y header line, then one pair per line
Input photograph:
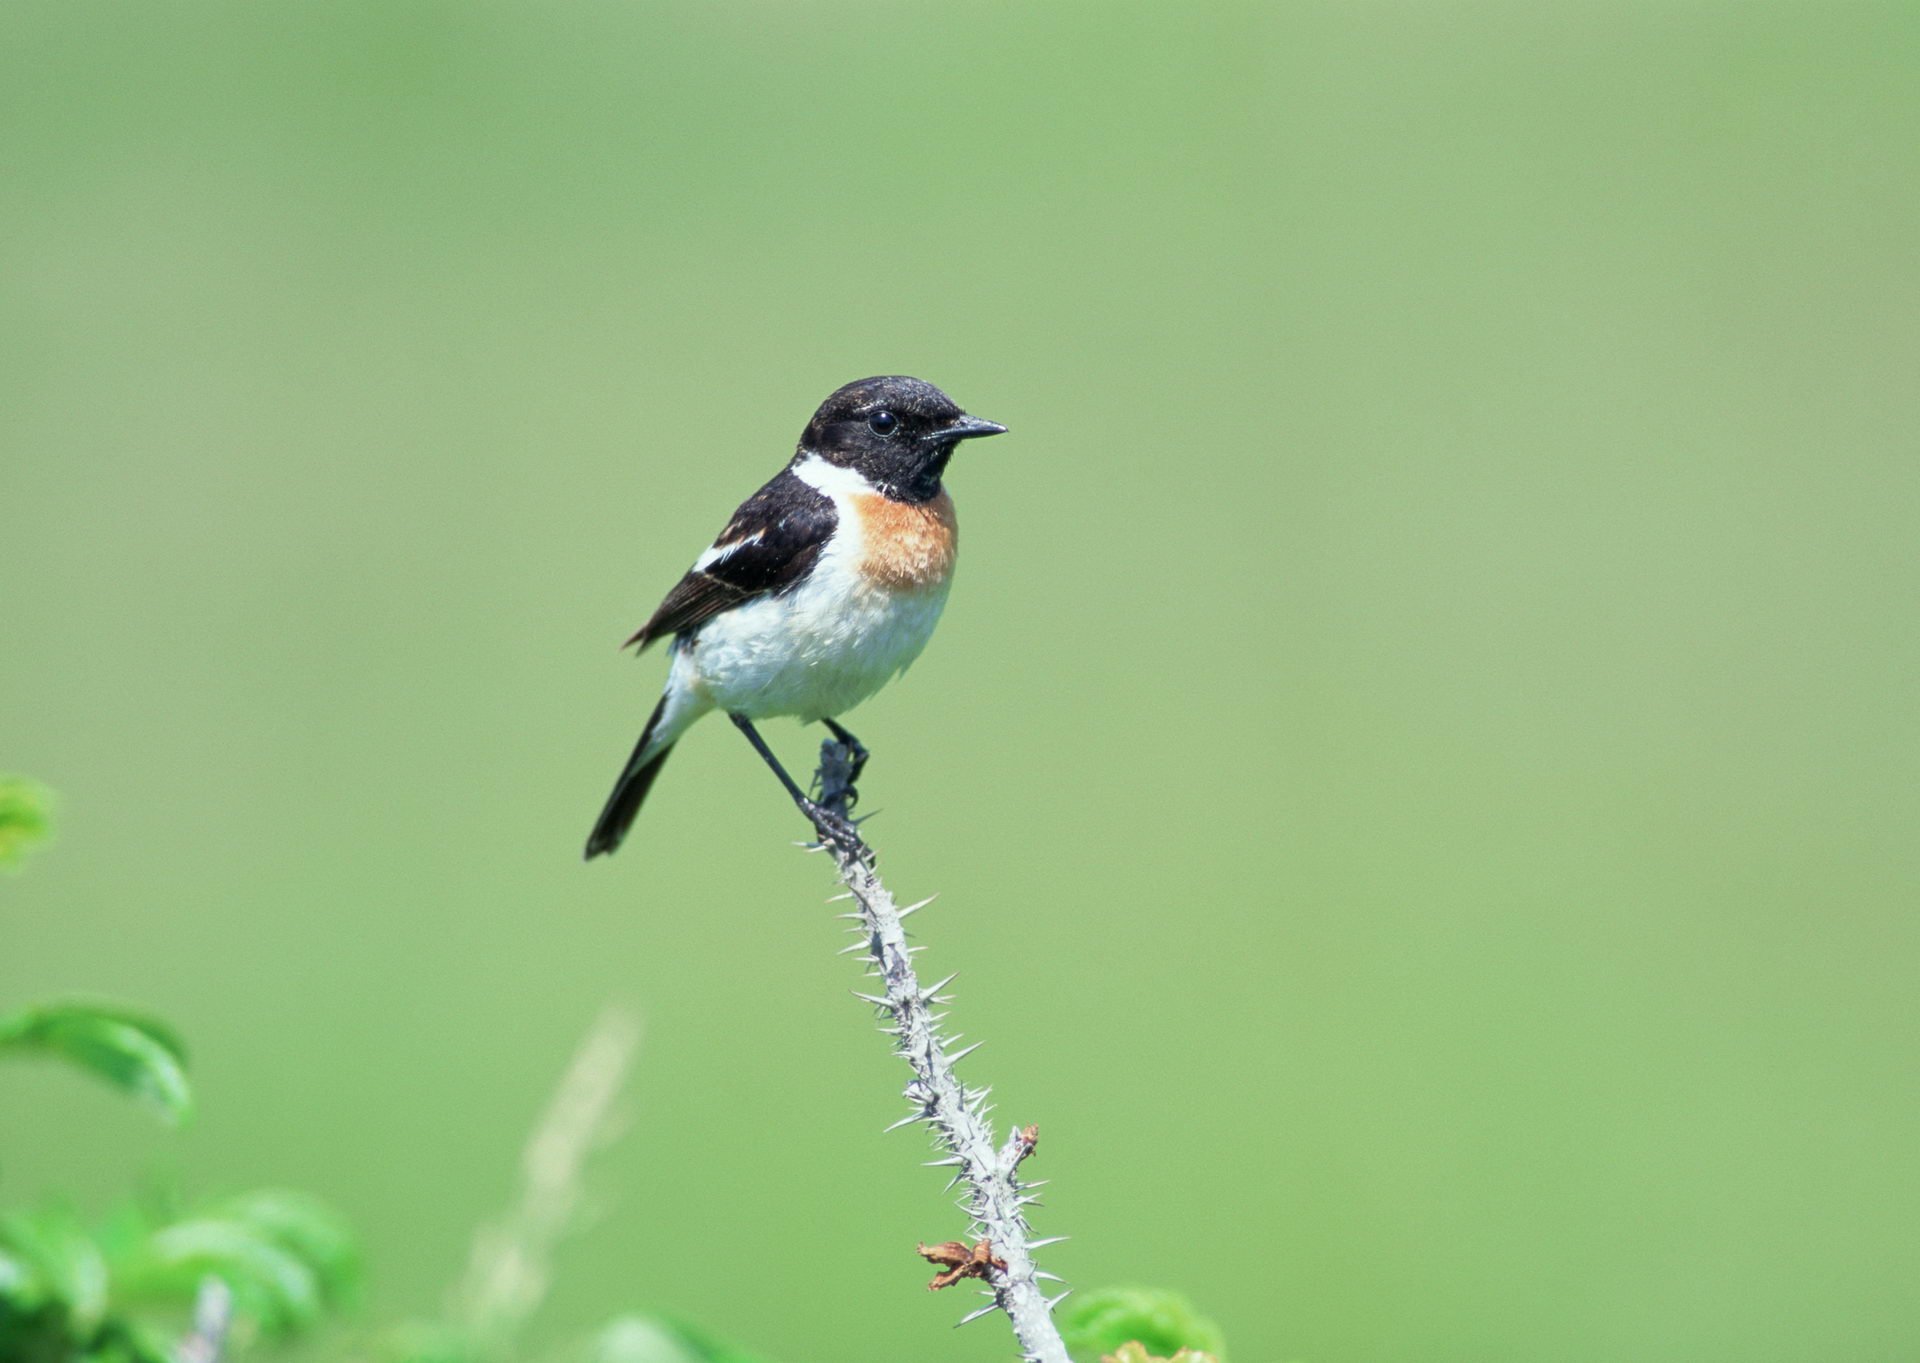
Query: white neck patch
x,y
832,479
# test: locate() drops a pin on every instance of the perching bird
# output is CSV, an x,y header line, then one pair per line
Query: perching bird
x,y
824,586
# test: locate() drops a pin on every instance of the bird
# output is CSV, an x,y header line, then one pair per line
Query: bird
x,y
824,586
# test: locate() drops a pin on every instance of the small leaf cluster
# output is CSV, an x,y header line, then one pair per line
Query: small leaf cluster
x,y
118,1291
1137,1353
1156,1322
286,1257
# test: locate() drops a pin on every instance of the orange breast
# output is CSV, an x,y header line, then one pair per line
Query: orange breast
x,y
908,548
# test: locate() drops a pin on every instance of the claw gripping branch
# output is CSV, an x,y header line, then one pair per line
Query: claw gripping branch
x,y
1001,1252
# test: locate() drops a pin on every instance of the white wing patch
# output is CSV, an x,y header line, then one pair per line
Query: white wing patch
x,y
715,553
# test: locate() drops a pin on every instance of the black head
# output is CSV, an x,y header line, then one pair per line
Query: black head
x,y
896,431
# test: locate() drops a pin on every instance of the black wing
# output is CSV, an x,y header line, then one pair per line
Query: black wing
x,y
772,541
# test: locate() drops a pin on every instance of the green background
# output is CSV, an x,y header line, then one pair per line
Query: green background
x,y
1420,759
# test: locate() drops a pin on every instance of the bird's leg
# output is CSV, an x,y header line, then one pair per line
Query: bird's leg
x,y
857,756
826,819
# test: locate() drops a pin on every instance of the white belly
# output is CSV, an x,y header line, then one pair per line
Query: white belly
x,y
816,652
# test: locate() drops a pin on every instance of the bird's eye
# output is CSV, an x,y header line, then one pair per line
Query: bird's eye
x,y
883,423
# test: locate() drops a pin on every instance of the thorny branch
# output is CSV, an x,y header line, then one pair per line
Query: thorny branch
x,y
996,1198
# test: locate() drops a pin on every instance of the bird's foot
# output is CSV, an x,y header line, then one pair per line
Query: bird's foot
x,y
841,796
835,827
857,753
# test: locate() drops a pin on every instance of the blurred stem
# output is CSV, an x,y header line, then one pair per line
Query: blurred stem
x,y
996,1198
512,1263
206,1341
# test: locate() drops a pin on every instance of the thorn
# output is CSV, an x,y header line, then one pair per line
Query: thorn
x,y
877,1000
907,1120
1040,1275
972,1316
1050,1240
943,1163
963,1053
1037,1183
841,898
915,908
1029,1202
928,993
861,945
1057,1300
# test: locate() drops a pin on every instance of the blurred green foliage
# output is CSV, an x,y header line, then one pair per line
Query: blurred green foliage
x,y
71,1292
74,1292
287,1259
1097,1323
130,1051
1418,763
284,1261
648,1339
1137,1353
25,819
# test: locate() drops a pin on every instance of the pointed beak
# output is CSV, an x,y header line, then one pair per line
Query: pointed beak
x,y
966,428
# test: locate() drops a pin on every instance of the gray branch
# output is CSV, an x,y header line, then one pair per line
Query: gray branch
x,y
996,1198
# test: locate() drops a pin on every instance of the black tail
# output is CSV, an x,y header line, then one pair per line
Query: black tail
x,y
628,791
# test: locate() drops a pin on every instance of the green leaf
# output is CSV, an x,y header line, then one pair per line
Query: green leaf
x,y
26,819
285,1256
134,1053
123,1342
34,1336
1098,1323
306,1228
53,1262
271,1285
